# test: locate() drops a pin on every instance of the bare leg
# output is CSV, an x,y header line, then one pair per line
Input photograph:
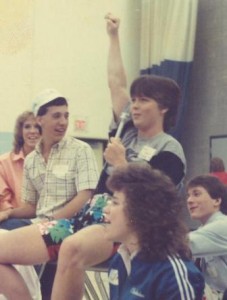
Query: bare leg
x,y
23,246
12,284
87,247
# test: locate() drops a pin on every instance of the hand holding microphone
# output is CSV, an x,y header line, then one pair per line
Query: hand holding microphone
x,y
114,153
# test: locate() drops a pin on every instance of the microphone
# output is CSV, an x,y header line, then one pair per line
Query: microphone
x,y
101,186
123,118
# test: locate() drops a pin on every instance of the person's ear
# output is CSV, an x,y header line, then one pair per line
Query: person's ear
x,y
38,120
218,202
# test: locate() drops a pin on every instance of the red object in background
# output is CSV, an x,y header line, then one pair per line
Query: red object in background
x,y
222,176
80,124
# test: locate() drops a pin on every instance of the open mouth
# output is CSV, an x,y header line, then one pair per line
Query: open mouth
x,y
32,139
136,116
106,220
60,131
192,209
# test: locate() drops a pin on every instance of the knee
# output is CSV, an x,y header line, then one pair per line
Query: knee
x,y
71,254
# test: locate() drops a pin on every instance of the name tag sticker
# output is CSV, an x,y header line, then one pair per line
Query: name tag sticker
x,y
147,153
113,277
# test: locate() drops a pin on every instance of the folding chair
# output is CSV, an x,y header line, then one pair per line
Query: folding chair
x,y
90,291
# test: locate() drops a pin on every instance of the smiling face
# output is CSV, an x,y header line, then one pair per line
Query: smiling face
x,y
30,134
54,123
146,114
201,205
118,228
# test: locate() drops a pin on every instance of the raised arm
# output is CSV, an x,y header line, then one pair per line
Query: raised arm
x,y
117,80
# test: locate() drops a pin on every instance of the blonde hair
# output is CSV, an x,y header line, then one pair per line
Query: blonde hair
x,y
18,130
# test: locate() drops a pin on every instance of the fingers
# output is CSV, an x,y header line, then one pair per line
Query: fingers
x,y
110,17
109,148
114,148
107,16
114,140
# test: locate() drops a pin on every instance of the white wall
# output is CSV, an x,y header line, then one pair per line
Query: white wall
x,y
63,44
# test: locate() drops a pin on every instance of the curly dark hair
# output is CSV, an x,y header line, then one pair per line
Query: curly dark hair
x,y
18,140
154,210
214,187
163,90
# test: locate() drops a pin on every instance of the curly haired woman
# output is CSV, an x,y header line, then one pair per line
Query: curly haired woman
x,y
153,261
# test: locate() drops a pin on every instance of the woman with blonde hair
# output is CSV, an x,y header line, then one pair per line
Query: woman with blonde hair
x,y
26,134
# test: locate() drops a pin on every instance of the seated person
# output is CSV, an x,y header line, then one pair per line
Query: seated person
x,y
217,168
26,135
153,103
207,203
153,261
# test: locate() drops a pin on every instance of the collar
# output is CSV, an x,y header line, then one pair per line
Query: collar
x,y
126,257
146,139
214,217
58,145
18,156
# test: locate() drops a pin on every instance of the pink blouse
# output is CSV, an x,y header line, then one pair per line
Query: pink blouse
x,y
11,174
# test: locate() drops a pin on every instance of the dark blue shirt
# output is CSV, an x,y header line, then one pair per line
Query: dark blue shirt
x,y
171,279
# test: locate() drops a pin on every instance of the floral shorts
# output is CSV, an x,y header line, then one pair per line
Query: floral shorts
x,y
54,232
